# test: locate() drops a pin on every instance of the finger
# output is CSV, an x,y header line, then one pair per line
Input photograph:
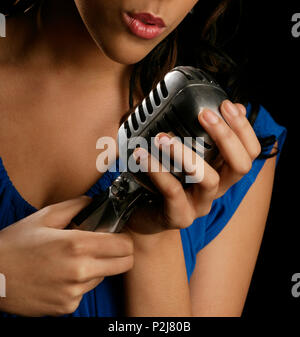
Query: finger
x,y
157,172
204,183
59,215
229,144
185,159
242,108
100,245
236,118
114,266
175,198
90,285
231,148
204,177
91,268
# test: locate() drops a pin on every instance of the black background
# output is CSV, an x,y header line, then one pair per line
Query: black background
x,y
274,68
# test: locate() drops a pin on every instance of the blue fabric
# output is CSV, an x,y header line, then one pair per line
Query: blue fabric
x,y
104,300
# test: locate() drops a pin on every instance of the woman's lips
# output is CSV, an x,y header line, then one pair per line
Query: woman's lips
x,y
144,25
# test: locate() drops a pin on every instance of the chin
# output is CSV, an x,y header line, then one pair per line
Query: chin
x,y
125,50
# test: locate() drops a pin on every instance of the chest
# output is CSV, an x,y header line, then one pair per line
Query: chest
x,y
48,141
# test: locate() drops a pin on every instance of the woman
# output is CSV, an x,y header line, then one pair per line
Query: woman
x,y
65,72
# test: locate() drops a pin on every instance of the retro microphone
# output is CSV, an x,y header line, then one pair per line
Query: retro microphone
x,y
172,106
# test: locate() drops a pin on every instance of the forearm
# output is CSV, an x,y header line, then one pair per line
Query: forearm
x,y
158,285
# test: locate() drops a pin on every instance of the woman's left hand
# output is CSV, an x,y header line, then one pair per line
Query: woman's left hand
x,y
238,147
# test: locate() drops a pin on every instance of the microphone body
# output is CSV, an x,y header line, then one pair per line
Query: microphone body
x,y
172,106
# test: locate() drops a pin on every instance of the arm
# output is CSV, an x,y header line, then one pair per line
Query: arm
x,y
158,285
224,268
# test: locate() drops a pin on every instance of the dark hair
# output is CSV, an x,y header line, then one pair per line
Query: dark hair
x,y
206,50
14,7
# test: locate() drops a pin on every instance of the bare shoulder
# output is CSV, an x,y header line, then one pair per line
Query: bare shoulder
x,y
224,268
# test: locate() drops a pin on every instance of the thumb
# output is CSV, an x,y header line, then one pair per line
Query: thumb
x,y
61,214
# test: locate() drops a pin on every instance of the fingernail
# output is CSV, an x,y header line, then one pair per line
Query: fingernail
x,y
210,117
201,110
231,108
140,153
162,139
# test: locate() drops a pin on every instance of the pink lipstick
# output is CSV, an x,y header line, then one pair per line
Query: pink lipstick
x,y
144,25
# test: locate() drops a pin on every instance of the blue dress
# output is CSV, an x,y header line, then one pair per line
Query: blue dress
x,y
105,299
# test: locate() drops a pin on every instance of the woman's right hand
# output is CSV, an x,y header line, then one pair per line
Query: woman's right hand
x,y
48,269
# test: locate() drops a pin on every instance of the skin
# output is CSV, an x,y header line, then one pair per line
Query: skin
x,y
87,67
